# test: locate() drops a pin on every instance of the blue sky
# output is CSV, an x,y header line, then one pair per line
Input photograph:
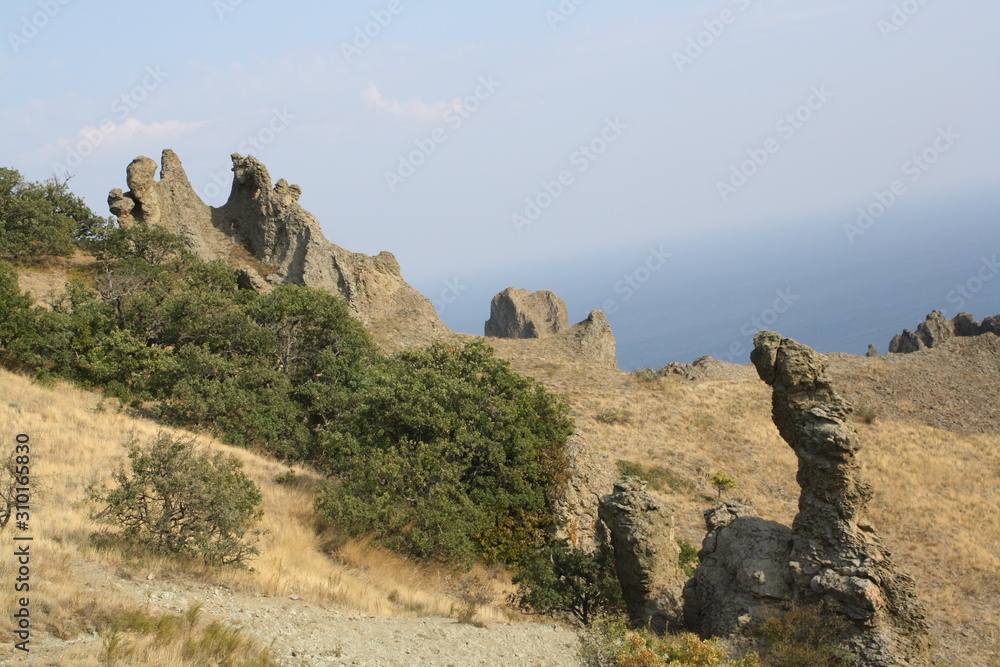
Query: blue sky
x,y
491,104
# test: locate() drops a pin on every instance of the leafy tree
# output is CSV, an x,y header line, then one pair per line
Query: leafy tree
x,y
38,219
448,454
178,500
722,482
567,580
18,322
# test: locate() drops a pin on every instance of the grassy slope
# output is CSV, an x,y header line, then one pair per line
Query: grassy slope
x,y
936,500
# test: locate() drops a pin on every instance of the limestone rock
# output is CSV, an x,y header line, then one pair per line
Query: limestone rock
x,y
646,555
594,340
743,570
518,313
591,475
836,556
267,235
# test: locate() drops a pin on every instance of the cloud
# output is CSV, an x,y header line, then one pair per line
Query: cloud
x,y
414,108
90,138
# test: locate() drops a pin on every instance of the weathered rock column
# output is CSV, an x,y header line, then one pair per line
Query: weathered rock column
x,y
836,555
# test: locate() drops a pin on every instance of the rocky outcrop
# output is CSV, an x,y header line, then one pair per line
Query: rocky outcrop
x,y
936,329
743,571
594,341
872,351
836,555
591,475
518,313
641,532
271,239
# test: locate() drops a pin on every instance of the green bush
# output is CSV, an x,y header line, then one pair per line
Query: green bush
x,y
448,454
658,477
688,558
178,500
611,643
803,635
722,482
41,219
565,580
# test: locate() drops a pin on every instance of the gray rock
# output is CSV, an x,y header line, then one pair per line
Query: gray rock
x,y
906,342
518,313
837,557
935,330
270,239
646,555
743,571
872,351
594,340
591,475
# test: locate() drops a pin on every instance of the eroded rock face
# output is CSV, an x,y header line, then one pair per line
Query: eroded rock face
x,y
646,555
743,570
271,239
518,313
595,340
591,475
836,555
936,329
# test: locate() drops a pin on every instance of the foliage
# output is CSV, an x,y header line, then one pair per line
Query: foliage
x,y
722,482
611,643
565,580
688,558
41,219
619,415
803,635
18,322
178,500
448,454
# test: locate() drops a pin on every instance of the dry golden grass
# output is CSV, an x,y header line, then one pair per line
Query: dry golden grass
x,y
936,501
73,443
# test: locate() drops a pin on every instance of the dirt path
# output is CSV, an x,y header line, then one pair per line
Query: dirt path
x,y
301,633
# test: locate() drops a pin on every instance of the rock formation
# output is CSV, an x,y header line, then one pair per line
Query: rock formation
x,y
936,329
518,313
591,475
743,570
594,340
646,555
836,555
271,239
872,351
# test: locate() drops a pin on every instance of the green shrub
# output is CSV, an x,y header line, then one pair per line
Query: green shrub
x,y
688,558
448,454
617,415
178,500
722,482
658,477
564,580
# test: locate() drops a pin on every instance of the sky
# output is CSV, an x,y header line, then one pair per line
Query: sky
x,y
564,144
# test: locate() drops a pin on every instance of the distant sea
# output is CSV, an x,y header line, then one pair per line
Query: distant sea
x,y
806,281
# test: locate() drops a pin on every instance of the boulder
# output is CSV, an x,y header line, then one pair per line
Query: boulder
x,y
518,313
836,555
594,340
743,571
872,351
641,532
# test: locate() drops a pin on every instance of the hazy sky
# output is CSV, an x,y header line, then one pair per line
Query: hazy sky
x,y
470,137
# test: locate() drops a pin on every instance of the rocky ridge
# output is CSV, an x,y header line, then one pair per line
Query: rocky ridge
x,y
265,232
936,329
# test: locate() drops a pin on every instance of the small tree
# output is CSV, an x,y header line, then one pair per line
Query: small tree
x,y
179,500
567,580
723,482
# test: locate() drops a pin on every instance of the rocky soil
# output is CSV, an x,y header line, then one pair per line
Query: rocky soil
x,y
301,633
